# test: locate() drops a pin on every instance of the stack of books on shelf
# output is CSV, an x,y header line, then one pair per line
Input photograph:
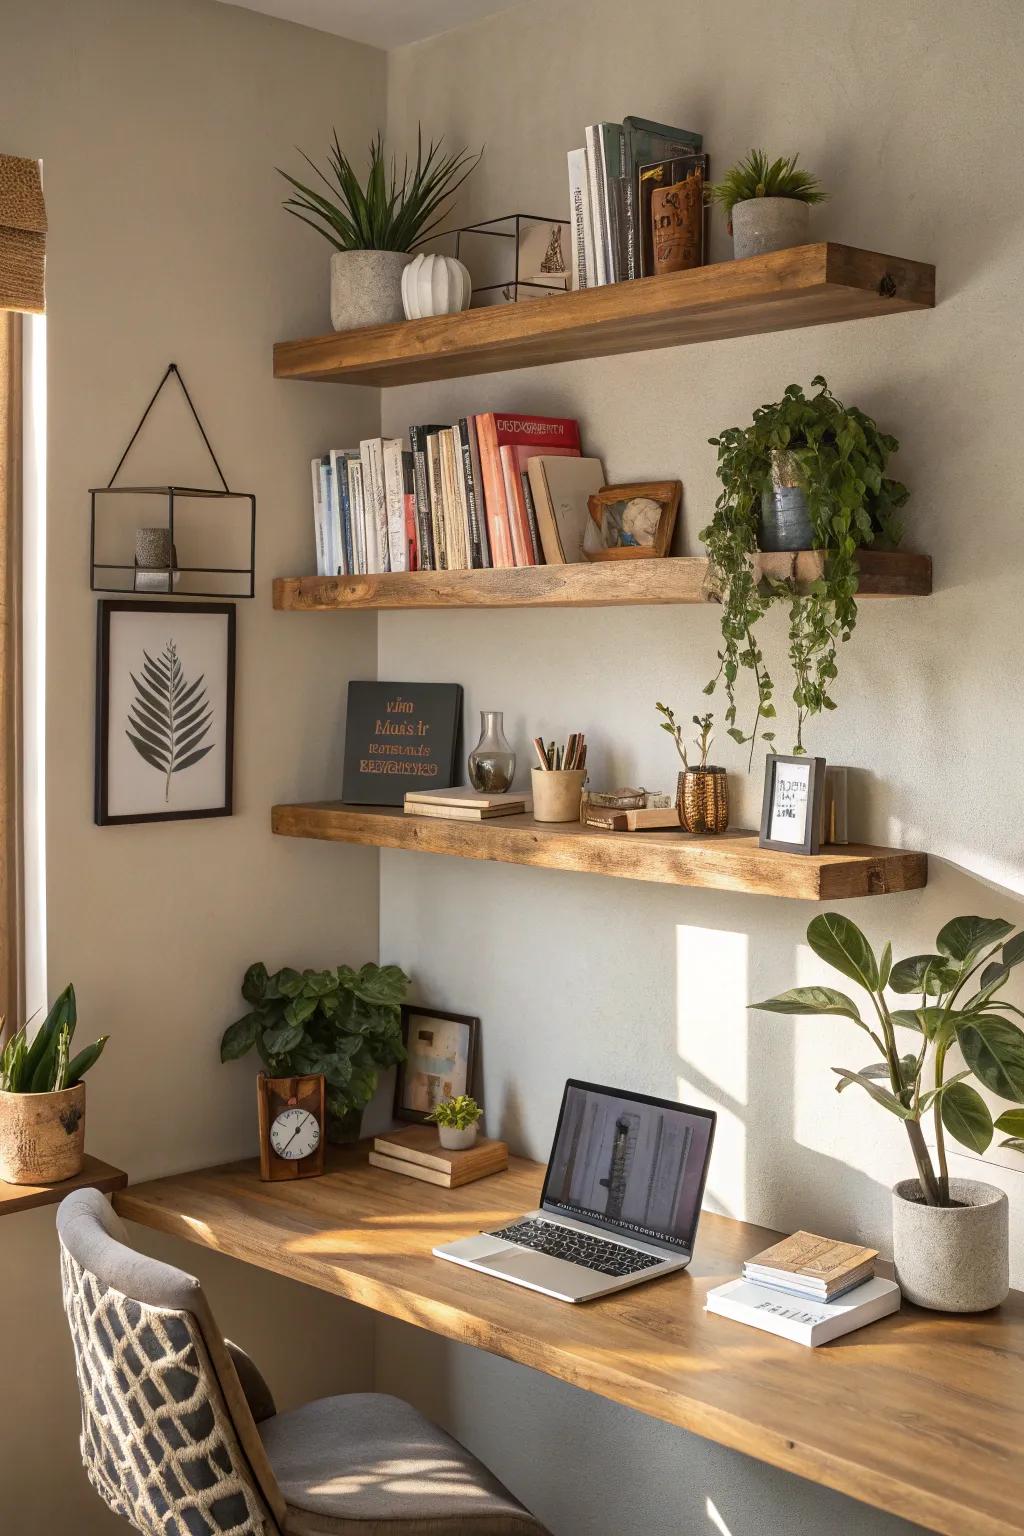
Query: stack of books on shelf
x,y
611,181
808,1289
462,804
490,490
418,1154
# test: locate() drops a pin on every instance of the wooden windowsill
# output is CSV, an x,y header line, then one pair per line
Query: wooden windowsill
x,y
94,1175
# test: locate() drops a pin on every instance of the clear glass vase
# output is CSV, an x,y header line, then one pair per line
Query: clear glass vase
x,y
492,762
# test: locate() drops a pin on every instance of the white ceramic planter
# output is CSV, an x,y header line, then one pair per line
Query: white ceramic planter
x,y
435,285
769,224
956,1258
454,1140
42,1136
366,288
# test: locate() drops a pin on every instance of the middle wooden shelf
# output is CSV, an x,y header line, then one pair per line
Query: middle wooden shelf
x,y
731,861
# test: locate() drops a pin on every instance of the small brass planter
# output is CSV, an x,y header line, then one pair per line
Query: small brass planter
x,y
702,796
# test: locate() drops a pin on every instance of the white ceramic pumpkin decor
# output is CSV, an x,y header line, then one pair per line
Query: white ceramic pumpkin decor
x,y
435,285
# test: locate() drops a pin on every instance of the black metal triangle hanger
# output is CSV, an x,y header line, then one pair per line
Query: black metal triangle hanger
x,y
171,368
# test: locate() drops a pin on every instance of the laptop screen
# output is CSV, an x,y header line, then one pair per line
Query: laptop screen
x,y
633,1164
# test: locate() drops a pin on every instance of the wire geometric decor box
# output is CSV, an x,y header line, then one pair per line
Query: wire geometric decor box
x,y
164,517
516,257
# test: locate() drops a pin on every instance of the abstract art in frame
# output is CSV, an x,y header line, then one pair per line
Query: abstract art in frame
x,y
439,1063
165,706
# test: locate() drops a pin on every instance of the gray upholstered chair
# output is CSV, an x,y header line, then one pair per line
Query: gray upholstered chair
x,y
181,1438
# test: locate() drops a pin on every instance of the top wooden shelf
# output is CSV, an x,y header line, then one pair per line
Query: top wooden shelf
x,y
785,290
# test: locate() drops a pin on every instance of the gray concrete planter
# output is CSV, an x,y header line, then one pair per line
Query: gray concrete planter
x,y
366,288
954,1259
769,224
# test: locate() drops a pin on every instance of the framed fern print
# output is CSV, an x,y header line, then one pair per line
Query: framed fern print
x,y
165,706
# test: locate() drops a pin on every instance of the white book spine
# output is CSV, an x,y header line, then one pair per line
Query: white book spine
x,y
598,204
325,512
339,568
380,504
394,499
355,492
318,526
461,496
582,226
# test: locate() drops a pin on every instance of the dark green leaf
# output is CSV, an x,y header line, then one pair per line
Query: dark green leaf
x,y
880,1095
964,938
928,974
928,1020
837,940
1013,1144
289,982
320,983
1011,1122
254,985
885,967
993,1048
299,1010
282,1038
79,1065
801,1000
239,1037
966,1117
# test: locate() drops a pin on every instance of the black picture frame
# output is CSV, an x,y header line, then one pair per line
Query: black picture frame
x,y
403,1109
176,611
810,843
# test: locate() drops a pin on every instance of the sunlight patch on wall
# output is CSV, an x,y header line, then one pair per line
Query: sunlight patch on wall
x,y
711,1040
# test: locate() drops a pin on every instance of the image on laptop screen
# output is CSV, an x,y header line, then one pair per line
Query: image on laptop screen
x,y
632,1163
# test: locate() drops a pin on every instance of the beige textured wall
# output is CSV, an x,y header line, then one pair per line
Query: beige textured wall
x,y
904,112
160,122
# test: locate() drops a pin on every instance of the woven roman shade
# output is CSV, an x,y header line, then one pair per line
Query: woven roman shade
x,y
22,235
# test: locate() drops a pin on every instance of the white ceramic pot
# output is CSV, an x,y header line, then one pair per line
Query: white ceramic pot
x,y
763,224
956,1258
457,1141
366,288
435,285
42,1136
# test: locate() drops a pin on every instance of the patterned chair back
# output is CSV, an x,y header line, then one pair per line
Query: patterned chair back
x,y
167,1438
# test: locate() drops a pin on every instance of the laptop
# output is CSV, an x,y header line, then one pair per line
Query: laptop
x,y
621,1199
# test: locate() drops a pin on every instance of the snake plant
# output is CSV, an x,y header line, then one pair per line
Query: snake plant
x,y
46,1065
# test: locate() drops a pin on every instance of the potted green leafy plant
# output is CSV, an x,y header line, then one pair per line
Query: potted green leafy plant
x,y
42,1099
702,790
767,204
343,1023
375,227
828,460
950,1236
457,1121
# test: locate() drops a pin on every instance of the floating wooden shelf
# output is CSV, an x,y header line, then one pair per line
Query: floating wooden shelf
x,y
606,584
94,1175
731,862
786,290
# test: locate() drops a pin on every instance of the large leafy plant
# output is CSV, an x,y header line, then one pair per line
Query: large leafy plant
x,y
46,1065
841,456
756,176
343,1023
959,988
389,213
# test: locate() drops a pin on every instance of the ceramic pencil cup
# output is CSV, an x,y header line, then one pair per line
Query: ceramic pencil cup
x,y
557,793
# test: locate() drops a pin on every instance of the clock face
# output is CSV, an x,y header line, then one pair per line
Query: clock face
x,y
295,1134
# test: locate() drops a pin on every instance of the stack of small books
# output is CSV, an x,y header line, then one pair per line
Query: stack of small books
x,y
462,804
417,1152
831,1288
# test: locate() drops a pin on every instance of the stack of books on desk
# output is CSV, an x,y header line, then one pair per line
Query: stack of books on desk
x,y
809,1289
417,1152
462,804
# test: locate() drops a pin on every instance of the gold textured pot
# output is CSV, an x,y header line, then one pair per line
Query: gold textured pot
x,y
702,798
42,1136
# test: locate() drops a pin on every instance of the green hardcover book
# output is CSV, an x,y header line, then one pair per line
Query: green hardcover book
x,y
645,142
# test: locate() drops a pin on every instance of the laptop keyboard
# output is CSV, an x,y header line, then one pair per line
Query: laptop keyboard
x,y
576,1247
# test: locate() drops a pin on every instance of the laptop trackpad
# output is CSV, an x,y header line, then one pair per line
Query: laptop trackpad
x,y
543,1270
478,1250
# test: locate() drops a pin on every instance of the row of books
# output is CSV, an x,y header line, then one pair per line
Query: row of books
x,y
459,497
611,180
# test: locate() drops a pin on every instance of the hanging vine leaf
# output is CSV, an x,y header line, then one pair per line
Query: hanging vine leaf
x,y
169,717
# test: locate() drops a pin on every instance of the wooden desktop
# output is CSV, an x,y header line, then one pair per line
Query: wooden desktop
x,y
921,1415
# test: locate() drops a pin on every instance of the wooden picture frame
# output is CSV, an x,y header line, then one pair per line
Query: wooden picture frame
x,y
137,765
794,794
612,519
417,1089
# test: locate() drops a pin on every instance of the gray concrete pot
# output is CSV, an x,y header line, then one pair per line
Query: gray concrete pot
x,y
769,224
954,1259
366,288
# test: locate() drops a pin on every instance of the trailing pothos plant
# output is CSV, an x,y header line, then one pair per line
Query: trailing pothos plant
x,y
960,1006
343,1023
841,455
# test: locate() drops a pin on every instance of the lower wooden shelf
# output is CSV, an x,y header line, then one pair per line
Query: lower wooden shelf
x,y
94,1175
730,862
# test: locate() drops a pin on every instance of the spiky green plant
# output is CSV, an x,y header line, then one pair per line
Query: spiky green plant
x,y
755,177
459,1113
390,213
47,1066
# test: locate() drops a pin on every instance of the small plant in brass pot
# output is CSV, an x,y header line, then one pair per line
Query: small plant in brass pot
x,y
702,790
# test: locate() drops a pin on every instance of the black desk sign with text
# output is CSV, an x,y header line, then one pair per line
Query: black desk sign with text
x,y
400,736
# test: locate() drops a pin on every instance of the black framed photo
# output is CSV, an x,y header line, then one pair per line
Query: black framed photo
x,y
439,1063
791,813
165,710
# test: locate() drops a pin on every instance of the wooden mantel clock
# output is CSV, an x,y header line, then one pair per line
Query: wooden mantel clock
x,y
292,1126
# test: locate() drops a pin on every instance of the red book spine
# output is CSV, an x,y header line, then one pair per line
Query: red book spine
x,y
522,544
540,431
499,530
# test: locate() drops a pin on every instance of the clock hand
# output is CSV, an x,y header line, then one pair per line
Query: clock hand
x,y
291,1138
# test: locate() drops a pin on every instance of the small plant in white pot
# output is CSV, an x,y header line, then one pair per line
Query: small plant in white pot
x,y
375,228
457,1121
767,204
950,1236
42,1099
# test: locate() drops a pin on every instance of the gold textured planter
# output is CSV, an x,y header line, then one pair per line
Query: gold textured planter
x,y
42,1136
702,797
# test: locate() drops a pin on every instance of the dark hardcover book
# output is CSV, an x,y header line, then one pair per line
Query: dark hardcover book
x,y
424,524
645,142
476,548
345,501
400,737
531,519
